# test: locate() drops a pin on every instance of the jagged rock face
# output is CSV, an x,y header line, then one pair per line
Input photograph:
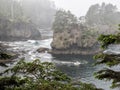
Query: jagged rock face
x,y
17,31
73,42
65,39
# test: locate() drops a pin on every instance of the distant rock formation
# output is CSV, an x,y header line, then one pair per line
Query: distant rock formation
x,y
104,18
16,31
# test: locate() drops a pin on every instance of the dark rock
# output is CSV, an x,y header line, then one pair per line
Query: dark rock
x,y
6,56
3,65
43,50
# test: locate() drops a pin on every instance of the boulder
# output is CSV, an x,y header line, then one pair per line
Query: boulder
x,y
43,50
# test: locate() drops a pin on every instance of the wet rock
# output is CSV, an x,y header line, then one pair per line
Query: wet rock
x,y
43,50
6,56
3,65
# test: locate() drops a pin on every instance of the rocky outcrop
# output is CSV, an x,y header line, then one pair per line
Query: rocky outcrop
x,y
75,41
6,56
72,36
43,50
19,30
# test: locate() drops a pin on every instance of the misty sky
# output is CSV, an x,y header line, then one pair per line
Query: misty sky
x,y
80,7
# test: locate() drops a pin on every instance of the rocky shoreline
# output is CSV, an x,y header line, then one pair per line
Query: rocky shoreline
x,y
6,56
75,52
69,51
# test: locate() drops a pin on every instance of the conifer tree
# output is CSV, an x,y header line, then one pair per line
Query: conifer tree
x,y
109,59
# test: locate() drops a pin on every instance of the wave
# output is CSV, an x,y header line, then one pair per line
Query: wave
x,y
69,63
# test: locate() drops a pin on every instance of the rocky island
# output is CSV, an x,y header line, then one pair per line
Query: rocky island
x,y
72,37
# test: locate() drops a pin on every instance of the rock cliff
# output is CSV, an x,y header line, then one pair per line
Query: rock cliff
x,y
75,41
72,37
10,31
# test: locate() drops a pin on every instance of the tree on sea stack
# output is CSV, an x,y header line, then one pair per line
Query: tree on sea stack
x,y
70,36
109,59
64,20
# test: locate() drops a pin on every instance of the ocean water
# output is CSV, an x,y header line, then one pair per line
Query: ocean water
x,y
79,67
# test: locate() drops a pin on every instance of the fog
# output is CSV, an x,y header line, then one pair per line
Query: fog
x,y
80,7
66,33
